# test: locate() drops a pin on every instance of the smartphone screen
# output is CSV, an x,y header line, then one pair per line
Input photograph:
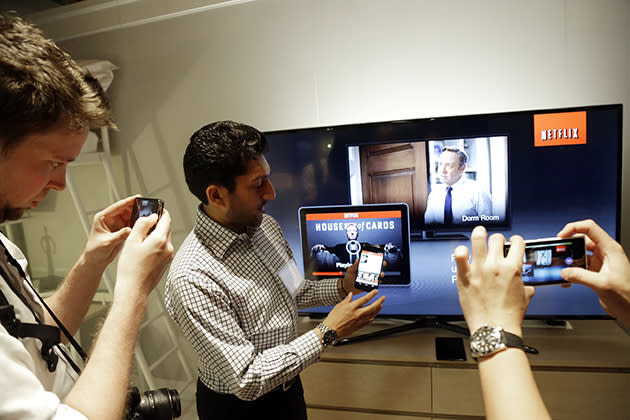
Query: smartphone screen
x,y
544,259
369,270
145,207
449,348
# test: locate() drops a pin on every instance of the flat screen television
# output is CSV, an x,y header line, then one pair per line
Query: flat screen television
x,y
537,169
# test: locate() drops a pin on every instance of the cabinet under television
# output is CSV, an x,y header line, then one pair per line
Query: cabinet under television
x,y
582,370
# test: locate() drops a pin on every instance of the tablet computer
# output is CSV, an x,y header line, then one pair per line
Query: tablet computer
x,y
332,238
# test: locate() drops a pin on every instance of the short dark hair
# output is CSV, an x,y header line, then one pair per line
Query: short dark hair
x,y
218,153
463,156
42,86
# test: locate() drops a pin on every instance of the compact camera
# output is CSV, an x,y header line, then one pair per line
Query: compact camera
x,y
158,404
145,207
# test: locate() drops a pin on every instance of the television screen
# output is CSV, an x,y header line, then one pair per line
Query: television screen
x,y
447,183
538,169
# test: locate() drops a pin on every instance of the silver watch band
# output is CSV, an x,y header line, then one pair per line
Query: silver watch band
x,y
329,336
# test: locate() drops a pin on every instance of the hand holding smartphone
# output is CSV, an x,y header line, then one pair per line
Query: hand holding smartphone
x,y
145,207
369,270
544,259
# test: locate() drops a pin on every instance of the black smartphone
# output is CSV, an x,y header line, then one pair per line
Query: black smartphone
x,y
145,207
544,259
370,266
449,348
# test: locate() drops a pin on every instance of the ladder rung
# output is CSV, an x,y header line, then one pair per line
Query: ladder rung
x,y
151,320
164,356
185,387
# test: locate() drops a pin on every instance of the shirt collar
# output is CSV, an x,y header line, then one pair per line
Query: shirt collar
x,y
459,183
216,237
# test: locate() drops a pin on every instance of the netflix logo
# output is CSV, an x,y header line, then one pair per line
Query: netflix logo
x,y
560,129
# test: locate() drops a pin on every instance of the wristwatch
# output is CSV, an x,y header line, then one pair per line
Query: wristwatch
x,y
490,340
329,336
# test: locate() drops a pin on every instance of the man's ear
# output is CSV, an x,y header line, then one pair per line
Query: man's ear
x,y
216,195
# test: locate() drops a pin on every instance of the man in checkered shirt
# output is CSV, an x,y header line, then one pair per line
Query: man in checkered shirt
x,y
235,290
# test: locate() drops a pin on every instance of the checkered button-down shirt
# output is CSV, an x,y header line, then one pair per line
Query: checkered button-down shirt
x,y
224,291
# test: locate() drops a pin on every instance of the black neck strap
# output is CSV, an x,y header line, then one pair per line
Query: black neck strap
x,y
40,331
47,334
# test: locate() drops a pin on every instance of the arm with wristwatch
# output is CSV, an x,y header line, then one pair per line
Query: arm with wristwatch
x,y
494,301
348,315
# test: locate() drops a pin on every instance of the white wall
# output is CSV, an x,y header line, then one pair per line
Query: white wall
x,y
280,64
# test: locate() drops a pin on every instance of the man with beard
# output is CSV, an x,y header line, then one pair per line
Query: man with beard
x,y
47,106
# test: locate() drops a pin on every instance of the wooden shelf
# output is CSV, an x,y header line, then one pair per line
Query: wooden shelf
x,y
583,372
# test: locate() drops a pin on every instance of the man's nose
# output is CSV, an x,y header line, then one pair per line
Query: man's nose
x,y
270,192
58,179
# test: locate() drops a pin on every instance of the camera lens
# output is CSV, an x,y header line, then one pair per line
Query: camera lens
x,y
160,404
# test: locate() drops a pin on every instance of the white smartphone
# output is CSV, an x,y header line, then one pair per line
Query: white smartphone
x,y
370,266
545,258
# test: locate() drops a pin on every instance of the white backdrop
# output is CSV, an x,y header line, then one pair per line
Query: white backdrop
x,y
280,64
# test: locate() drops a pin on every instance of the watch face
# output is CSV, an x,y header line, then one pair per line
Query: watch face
x,y
486,340
330,337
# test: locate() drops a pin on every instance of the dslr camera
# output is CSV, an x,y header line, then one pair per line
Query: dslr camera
x,y
158,404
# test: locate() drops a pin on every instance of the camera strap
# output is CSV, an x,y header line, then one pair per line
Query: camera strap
x,y
47,334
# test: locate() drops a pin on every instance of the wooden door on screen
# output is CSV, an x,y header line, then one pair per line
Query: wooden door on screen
x,y
395,173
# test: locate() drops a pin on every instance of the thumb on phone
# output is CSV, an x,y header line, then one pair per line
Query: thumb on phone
x,y
580,275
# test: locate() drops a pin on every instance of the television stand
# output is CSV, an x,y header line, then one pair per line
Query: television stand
x,y
435,236
399,376
420,323
556,323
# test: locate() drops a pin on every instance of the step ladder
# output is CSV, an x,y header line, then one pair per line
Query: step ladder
x,y
156,310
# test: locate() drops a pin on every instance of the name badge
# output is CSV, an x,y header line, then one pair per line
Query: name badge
x,y
292,278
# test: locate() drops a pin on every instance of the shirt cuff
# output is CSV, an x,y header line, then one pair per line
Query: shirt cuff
x,y
65,412
308,347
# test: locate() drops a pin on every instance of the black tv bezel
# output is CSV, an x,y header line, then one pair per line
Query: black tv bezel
x,y
404,218
498,130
